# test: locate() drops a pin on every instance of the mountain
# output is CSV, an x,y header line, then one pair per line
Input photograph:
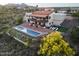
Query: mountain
x,y
18,6
23,5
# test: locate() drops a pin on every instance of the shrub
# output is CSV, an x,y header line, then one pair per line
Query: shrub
x,y
54,44
19,20
75,35
75,14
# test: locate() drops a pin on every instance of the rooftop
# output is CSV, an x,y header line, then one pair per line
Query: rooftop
x,y
43,13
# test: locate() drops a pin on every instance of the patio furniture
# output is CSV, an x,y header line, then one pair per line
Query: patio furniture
x,y
56,29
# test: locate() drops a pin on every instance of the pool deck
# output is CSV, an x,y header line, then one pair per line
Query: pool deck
x,y
40,29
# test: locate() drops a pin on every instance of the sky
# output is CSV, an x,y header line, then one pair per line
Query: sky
x,y
32,2
55,4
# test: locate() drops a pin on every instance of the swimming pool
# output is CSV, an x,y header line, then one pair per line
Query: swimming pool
x,y
32,33
28,31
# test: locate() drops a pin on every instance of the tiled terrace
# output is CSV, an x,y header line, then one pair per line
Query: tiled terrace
x,y
40,29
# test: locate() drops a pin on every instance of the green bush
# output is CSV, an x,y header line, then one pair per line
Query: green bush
x,y
19,20
75,14
75,35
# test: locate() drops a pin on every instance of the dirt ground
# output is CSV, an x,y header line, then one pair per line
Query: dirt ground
x,y
11,47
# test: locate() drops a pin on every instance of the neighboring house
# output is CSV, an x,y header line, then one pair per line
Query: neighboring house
x,y
61,11
74,9
67,9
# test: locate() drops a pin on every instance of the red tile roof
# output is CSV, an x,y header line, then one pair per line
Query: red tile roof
x,y
41,13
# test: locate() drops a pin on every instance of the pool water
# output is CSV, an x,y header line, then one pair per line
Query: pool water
x,y
32,33
28,31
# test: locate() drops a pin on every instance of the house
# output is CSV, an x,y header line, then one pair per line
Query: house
x,y
35,25
45,17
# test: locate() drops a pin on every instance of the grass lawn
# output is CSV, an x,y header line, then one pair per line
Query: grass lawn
x,y
62,29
